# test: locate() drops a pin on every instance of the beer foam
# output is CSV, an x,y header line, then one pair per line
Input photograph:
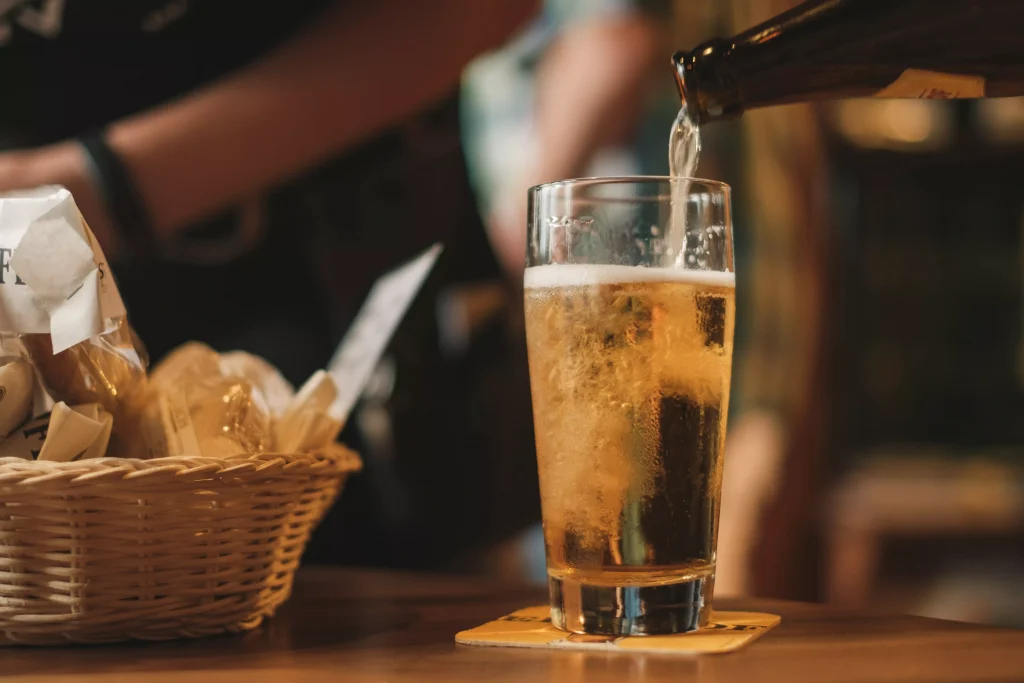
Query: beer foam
x,y
576,275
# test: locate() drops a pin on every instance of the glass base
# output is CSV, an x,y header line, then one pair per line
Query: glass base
x,y
630,610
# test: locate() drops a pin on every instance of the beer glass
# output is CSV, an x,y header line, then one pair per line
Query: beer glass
x,y
630,309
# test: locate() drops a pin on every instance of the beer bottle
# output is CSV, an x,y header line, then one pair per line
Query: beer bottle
x,y
833,49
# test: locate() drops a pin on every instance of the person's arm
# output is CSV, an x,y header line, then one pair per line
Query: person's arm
x,y
590,91
363,67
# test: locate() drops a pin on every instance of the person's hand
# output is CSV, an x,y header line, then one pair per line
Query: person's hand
x,y
58,164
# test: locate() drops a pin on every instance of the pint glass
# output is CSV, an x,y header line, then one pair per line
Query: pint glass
x,y
630,309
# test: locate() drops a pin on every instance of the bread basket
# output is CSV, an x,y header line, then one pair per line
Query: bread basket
x,y
117,549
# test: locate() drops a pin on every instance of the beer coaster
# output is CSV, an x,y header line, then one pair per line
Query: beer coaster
x,y
531,627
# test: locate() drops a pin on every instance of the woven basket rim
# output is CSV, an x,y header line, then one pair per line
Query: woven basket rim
x,y
337,455
115,549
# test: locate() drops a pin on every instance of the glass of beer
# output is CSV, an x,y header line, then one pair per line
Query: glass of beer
x,y
630,309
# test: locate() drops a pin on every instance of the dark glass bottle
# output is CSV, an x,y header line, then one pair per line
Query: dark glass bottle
x,y
833,49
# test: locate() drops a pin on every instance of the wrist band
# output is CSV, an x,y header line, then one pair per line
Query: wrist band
x,y
120,195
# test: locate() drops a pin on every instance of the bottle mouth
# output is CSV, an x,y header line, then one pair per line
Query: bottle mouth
x,y
679,65
682,61
707,83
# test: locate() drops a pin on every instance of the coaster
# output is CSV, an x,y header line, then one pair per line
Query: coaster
x,y
531,627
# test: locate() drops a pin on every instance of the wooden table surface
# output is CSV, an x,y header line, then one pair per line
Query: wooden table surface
x,y
344,625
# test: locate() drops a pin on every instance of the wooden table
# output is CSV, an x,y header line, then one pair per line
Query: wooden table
x,y
369,626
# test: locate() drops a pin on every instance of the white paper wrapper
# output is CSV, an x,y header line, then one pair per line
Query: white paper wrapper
x,y
96,413
216,417
318,393
26,441
265,378
53,275
221,405
308,422
76,433
189,363
229,416
68,433
360,351
307,431
178,431
17,384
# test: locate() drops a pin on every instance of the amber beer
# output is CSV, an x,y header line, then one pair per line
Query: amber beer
x,y
630,369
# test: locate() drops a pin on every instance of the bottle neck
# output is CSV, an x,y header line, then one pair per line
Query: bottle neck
x,y
707,82
837,49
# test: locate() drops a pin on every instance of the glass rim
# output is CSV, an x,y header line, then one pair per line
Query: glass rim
x,y
626,179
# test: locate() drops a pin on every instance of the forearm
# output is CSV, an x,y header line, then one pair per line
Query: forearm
x,y
616,55
363,68
589,92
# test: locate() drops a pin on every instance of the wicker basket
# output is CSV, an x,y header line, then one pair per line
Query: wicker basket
x,y
117,549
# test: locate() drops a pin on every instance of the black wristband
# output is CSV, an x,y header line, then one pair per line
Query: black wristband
x,y
120,195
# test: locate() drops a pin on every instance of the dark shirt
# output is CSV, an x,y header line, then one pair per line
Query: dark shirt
x,y
70,65
459,423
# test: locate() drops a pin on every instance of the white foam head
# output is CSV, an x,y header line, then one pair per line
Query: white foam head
x,y
576,275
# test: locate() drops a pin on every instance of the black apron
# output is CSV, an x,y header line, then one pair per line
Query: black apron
x,y
447,441
454,468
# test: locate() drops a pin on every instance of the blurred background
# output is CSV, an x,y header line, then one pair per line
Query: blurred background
x,y
877,417
877,424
